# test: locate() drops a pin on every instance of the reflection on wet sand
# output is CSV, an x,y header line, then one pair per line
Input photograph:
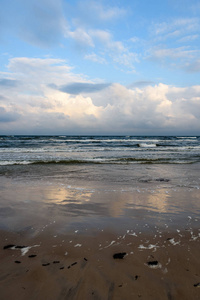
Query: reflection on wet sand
x,y
30,203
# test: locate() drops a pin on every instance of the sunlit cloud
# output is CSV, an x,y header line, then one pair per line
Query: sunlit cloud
x,y
77,105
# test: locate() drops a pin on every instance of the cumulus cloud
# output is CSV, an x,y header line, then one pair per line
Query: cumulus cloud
x,y
78,106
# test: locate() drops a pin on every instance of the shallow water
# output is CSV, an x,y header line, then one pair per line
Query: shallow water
x,y
66,198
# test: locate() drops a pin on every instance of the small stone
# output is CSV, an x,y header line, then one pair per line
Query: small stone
x,y
56,262
119,255
17,262
47,264
32,255
152,263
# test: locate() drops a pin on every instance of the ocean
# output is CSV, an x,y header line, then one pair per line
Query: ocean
x,y
22,150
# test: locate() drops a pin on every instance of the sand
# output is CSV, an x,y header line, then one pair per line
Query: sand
x,y
161,266
75,243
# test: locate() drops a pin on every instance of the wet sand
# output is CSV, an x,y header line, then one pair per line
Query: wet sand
x,y
88,242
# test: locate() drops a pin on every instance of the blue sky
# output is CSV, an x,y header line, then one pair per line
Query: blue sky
x,y
99,67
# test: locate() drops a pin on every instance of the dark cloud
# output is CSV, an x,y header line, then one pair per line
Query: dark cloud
x,y
8,83
141,83
80,87
6,116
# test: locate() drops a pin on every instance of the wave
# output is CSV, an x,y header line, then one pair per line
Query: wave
x,y
145,145
122,161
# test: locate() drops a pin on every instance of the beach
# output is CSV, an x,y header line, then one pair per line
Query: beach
x,y
100,232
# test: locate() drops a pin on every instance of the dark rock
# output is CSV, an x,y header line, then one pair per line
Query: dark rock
x,y
152,263
47,264
8,246
120,285
85,259
32,255
197,285
119,255
17,262
61,268
162,179
56,262
72,265
136,277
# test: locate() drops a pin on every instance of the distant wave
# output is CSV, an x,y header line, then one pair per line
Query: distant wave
x,y
145,145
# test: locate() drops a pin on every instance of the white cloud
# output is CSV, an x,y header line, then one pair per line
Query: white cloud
x,y
81,37
173,53
32,106
106,39
188,38
95,58
94,11
175,27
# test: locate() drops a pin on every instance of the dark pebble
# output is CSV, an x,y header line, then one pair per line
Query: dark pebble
x,y
73,264
162,180
152,263
62,268
120,285
8,246
47,264
136,277
56,262
119,255
85,259
17,262
197,285
32,255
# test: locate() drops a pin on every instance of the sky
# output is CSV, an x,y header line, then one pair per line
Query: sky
x,y
88,67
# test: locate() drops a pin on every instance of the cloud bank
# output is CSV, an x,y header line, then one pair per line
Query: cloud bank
x,y
75,105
